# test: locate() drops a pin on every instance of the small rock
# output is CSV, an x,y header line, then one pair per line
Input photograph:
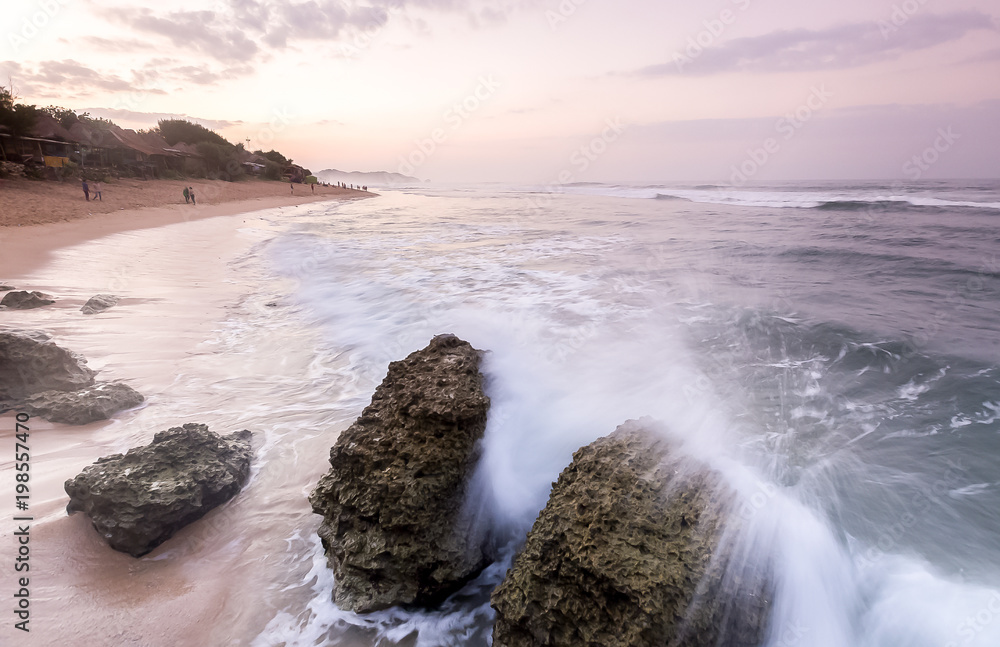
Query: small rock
x,y
98,402
22,300
6,288
138,500
99,303
31,363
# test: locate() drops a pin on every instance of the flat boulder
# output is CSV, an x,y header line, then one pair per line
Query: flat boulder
x,y
138,500
6,288
30,362
97,402
634,548
99,303
395,527
22,300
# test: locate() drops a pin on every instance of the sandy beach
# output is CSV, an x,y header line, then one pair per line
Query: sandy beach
x,y
28,202
177,271
39,217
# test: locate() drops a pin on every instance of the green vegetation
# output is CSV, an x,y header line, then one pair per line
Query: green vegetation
x,y
180,130
217,157
18,117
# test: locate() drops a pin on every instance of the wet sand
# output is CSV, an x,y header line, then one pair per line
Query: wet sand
x,y
180,274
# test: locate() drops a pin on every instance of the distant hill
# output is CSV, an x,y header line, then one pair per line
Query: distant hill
x,y
371,178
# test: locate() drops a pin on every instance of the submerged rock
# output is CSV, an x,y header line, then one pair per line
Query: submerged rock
x,y
31,363
99,303
394,528
633,550
98,402
22,300
138,500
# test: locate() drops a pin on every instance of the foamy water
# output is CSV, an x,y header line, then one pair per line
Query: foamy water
x,y
777,344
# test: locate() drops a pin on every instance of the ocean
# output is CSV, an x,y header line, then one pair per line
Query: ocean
x,y
832,348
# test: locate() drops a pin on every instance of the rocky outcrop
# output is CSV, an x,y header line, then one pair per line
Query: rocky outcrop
x,y
99,303
6,288
30,362
393,525
48,381
633,549
21,300
98,402
138,500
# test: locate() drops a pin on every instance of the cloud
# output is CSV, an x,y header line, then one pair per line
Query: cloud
x,y
150,118
202,31
238,30
117,45
839,47
68,79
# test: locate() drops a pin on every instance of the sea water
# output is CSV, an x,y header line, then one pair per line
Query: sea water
x,y
833,348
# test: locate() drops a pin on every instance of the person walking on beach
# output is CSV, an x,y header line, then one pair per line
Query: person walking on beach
x,y
86,190
291,186
97,192
191,193
312,187
187,196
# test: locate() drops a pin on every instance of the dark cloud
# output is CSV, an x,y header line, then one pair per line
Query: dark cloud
x,y
839,47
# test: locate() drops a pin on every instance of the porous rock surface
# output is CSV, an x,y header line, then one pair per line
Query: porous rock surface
x,y
632,550
46,380
99,303
30,362
139,499
394,527
97,402
23,300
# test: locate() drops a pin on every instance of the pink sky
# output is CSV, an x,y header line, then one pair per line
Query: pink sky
x,y
540,91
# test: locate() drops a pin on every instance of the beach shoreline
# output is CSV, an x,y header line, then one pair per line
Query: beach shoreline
x,y
175,270
28,242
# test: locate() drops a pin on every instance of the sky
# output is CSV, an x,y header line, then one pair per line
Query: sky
x,y
540,91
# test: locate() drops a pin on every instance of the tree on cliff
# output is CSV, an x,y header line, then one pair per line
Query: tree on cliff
x,y
19,118
180,130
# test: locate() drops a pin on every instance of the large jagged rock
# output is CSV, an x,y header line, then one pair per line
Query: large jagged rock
x,y
98,402
394,526
633,549
99,303
138,500
31,363
22,300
